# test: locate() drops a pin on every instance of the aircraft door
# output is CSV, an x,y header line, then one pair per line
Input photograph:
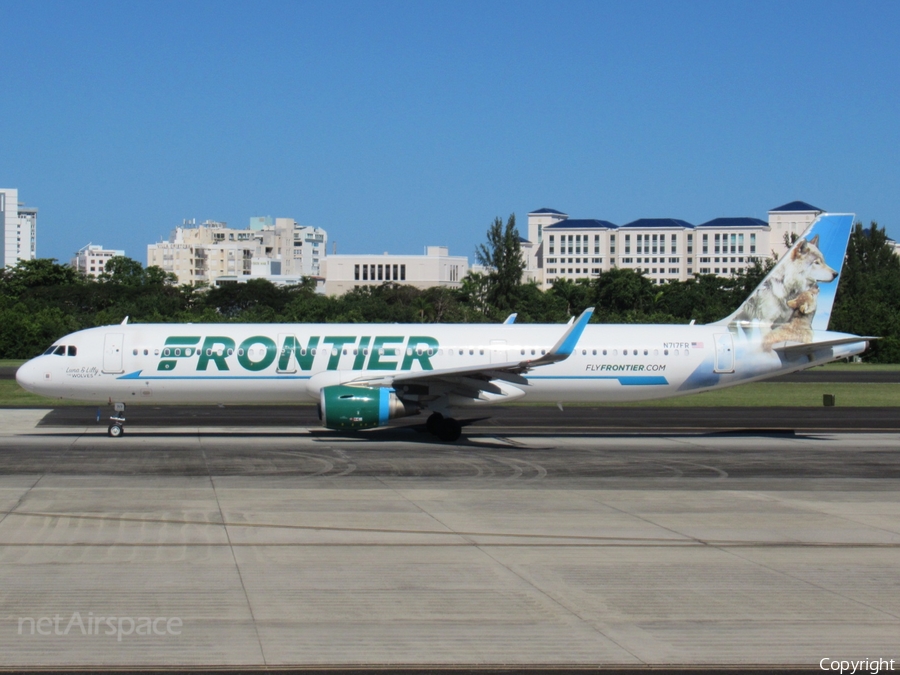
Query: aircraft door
x,y
498,351
724,353
112,353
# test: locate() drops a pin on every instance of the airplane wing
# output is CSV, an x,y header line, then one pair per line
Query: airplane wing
x,y
470,381
792,349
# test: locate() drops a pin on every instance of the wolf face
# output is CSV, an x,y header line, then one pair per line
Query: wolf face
x,y
807,266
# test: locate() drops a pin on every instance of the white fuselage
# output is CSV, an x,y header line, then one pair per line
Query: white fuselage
x,y
290,363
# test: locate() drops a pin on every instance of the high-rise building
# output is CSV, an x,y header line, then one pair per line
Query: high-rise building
x,y
19,225
212,252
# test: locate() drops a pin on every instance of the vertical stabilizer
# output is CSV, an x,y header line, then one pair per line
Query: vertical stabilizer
x,y
796,297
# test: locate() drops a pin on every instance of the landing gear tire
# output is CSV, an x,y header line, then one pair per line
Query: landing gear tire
x,y
449,430
115,430
433,424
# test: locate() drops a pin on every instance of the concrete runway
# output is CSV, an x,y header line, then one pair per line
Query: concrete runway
x,y
277,545
531,420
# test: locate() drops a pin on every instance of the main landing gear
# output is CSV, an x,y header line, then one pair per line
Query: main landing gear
x,y
445,428
117,426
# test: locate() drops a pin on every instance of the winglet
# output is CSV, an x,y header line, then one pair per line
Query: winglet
x,y
511,318
566,344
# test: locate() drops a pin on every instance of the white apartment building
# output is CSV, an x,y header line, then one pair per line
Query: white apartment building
x,y
436,268
19,226
279,250
91,260
665,249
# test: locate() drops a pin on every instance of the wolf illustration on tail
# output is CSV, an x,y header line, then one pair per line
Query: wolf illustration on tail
x,y
789,305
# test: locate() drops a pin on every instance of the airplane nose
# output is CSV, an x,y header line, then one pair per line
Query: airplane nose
x,y
28,376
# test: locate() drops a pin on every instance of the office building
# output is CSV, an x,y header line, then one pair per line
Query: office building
x,y
436,268
91,260
19,226
664,249
280,250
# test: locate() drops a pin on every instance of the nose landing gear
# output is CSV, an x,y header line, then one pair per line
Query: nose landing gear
x,y
117,426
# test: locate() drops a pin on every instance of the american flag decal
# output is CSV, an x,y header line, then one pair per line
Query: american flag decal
x,y
697,345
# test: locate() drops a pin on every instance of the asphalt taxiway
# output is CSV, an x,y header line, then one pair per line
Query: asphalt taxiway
x,y
275,543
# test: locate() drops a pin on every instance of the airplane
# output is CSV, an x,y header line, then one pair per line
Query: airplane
x,y
362,375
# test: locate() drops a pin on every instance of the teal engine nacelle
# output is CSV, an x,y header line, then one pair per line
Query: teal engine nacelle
x,y
345,407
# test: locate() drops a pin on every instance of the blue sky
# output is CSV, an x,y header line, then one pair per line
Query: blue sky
x,y
395,125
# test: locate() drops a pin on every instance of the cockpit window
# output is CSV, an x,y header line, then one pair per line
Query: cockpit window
x,y
49,350
61,350
72,350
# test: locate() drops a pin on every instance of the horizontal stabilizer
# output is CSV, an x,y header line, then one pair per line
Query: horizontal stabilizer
x,y
800,349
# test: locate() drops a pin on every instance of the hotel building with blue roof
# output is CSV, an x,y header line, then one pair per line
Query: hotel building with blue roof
x,y
664,249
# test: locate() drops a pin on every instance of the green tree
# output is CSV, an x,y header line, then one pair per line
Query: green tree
x,y
37,273
124,271
502,256
475,294
868,297
576,296
622,295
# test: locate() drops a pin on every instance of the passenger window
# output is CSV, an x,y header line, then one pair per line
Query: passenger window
x,y
73,350
594,353
646,351
134,352
146,352
676,352
584,352
665,352
155,352
604,352
686,352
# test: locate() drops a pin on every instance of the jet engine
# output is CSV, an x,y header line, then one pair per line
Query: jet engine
x,y
347,407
